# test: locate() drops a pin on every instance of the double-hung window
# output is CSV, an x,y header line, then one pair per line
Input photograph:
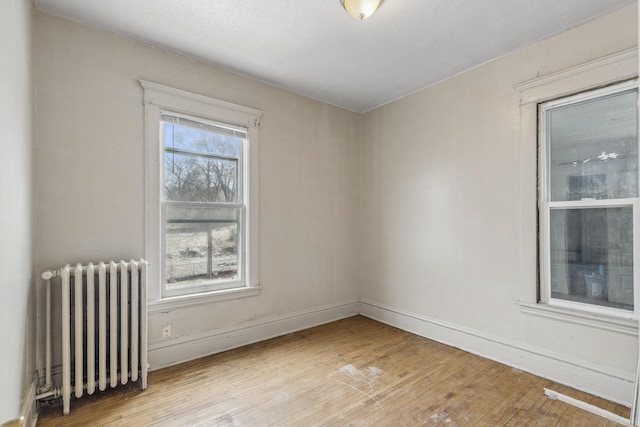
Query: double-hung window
x,y
201,194
588,200
202,204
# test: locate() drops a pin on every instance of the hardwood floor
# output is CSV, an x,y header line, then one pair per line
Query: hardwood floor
x,y
353,372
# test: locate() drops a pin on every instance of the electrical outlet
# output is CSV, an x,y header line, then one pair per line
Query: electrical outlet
x,y
166,331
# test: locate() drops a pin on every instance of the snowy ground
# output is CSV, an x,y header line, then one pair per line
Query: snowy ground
x,y
187,251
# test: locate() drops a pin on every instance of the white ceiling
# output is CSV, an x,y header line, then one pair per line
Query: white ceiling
x,y
313,47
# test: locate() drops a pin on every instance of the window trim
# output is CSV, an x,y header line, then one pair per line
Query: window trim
x,y
627,325
159,98
593,74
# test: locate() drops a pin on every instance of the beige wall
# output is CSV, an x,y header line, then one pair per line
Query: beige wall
x,y
414,206
89,174
440,201
16,284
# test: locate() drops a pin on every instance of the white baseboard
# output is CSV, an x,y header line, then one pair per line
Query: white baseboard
x,y
608,383
182,349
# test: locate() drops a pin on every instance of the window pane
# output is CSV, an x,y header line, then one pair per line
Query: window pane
x,y
183,134
593,148
194,178
592,256
202,246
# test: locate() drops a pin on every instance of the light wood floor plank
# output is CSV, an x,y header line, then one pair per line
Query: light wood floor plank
x,y
353,372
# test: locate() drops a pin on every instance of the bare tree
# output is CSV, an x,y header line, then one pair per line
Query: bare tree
x,y
210,177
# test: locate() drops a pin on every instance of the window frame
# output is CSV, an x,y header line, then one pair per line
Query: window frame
x,y
599,72
545,206
239,205
159,99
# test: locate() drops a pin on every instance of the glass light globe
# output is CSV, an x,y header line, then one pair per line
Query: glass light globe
x,y
361,9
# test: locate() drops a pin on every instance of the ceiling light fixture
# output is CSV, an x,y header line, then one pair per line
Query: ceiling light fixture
x,y
361,9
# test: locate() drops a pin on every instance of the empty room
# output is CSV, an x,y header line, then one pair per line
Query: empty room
x,y
321,212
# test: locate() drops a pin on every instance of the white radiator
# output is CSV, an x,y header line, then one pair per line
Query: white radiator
x,y
104,327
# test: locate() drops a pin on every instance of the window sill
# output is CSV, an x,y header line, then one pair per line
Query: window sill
x,y
622,325
203,298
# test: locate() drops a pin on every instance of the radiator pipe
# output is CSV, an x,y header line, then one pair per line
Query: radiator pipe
x,y
47,276
55,393
554,395
50,274
47,384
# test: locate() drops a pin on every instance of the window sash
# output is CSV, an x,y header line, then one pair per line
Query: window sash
x,y
544,128
203,123
213,127
201,154
545,253
214,284
545,207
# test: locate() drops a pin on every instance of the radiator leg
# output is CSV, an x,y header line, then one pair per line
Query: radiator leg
x,y
124,324
113,324
135,319
102,326
144,366
91,342
66,342
79,339
48,384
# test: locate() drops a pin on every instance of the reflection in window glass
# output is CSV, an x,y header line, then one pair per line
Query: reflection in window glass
x,y
180,133
592,148
591,256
